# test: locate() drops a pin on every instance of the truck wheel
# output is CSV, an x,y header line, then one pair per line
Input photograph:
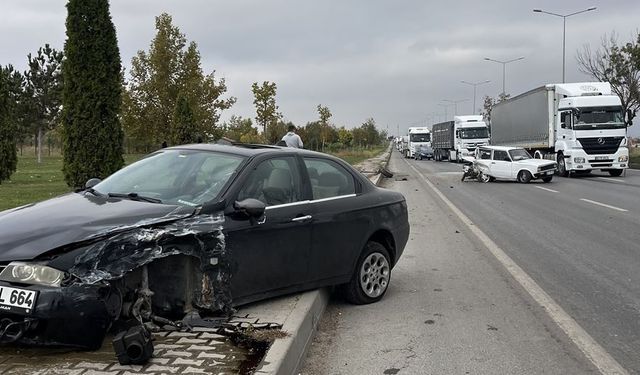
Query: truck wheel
x,y
524,177
615,172
562,167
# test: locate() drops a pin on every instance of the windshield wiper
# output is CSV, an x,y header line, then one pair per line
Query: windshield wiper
x,y
134,197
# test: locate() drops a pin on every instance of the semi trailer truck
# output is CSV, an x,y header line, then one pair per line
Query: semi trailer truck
x,y
580,125
418,136
455,139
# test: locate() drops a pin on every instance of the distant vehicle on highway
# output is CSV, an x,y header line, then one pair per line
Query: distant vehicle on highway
x,y
456,139
511,163
580,125
193,229
424,152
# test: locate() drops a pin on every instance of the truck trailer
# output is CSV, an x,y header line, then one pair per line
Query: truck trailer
x,y
455,139
580,125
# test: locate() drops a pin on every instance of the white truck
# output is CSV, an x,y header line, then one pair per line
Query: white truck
x,y
455,139
417,137
580,125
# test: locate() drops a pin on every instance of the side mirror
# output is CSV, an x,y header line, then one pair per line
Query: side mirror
x,y
92,182
251,208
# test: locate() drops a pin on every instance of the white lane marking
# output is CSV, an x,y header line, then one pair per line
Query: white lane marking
x,y
604,205
610,179
547,189
595,353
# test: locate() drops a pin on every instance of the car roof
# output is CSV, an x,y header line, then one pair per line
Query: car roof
x,y
244,149
502,148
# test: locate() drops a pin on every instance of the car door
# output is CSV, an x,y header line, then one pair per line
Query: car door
x,y
501,164
272,252
338,219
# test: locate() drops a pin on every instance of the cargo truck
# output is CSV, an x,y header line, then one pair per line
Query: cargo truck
x,y
455,139
418,136
580,125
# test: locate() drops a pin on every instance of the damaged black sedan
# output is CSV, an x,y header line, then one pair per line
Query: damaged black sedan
x,y
182,236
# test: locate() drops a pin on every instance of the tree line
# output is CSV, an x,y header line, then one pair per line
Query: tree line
x,y
82,97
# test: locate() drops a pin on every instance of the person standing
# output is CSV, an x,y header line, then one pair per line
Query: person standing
x,y
291,138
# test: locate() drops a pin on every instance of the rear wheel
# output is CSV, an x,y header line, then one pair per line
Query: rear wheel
x,y
615,172
524,177
371,277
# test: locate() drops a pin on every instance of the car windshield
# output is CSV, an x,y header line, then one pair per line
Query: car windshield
x,y
471,133
519,154
421,137
183,177
600,118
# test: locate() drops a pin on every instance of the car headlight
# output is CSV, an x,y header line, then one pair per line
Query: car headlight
x,y
30,273
623,158
578,160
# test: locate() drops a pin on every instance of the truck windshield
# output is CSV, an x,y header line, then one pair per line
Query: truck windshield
x,y
470,133
599,118
420,137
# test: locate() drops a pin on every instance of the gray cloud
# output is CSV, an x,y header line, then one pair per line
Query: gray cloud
x,y
394,61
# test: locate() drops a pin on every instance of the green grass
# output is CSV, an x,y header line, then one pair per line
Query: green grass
x,y
634,157
33,182
355,156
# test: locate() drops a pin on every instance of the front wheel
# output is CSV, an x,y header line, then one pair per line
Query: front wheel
x,y
615,172
524,177
547,179
371,277
484,178
562,166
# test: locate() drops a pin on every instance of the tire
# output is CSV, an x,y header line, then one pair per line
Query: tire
x,y
524,177
615,172
562,167
547,179
484,178
370,279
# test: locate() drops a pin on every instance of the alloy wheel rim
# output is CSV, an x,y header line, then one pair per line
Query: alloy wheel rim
x,y
374,275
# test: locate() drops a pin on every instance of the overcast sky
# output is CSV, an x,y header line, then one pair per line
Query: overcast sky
x,y
394,60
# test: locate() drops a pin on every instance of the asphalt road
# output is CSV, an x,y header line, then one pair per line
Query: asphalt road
x,y
578,238
451,306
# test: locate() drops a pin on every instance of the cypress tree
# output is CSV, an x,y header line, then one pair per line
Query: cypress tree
x,y
92,134
10,82
184,126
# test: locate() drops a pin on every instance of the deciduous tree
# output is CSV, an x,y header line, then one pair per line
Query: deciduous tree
x,y
618,65
266,109
92,133
43,92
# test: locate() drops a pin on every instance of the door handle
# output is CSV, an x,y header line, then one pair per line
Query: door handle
x,y
493,162
302,218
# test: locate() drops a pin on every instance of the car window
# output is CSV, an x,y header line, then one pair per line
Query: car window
x,y
275,181
500,155
485,154
328,178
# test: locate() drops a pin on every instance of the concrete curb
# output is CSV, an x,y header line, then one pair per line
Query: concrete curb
x,y
285,356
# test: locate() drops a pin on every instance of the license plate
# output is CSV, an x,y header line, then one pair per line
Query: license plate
x,y
17,300
602,157
548,172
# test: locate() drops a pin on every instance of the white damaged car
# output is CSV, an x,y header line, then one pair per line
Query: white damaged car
x,y
511,163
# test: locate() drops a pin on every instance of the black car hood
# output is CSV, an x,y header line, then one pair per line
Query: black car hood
x,y
30,231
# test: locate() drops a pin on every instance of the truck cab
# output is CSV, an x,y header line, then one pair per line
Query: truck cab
x,y
590,132
471,132
418,136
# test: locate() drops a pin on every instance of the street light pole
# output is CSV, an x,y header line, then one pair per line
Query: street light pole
x,y
564,30
504,64
475,84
